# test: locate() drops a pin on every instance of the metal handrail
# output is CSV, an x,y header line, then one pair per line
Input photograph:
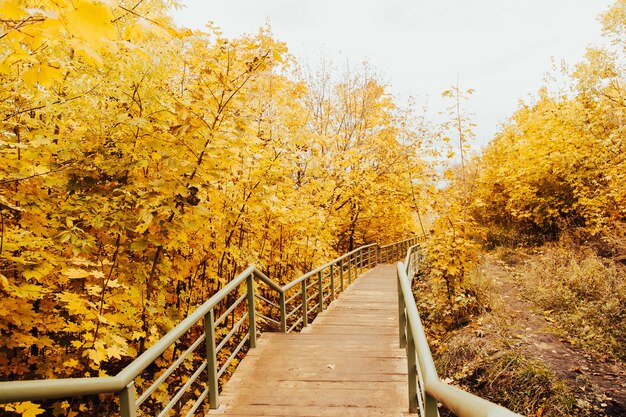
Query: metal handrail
x,y
425,387
122,384
309,274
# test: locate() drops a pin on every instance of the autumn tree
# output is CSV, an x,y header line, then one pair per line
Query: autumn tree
x,y
451,249
142,166
557,165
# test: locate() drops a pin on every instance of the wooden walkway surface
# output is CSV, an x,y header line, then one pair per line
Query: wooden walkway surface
x,y
346,363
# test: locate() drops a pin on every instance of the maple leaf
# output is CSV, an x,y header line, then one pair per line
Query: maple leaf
x,y
27,409
76,273
115,352
96,355
29,291
92,22
42,74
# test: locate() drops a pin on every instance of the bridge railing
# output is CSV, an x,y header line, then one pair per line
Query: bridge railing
x,y
221,328
425,387
309,294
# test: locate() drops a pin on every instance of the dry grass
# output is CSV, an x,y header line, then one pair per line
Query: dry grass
x,y
483,358
586,294
473,345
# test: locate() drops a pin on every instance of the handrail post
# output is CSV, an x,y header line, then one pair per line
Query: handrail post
x,y
320,286
362,260
402,316
349,269
283,313
332,283
412,373
379,259
251,312
430,406
341,273
209,331
127,401
305,307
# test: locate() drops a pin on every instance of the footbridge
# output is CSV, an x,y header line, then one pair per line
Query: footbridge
x,y
344,339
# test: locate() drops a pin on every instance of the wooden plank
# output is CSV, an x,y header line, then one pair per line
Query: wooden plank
x,y
346,363
309,411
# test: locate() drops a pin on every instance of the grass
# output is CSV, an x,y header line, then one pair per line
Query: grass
x,y
490,368
584,292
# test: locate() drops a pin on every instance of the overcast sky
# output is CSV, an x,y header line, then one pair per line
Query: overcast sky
x,y
500,48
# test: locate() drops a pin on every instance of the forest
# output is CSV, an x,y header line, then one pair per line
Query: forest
x,y
144,165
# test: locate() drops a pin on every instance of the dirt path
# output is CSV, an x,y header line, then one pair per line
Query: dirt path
x,y
596,383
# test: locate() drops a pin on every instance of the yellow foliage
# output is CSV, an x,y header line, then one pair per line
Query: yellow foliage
x,y
558,164
90,21
137,177
25,409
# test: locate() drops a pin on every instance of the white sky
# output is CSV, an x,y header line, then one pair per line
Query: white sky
x,y
500,48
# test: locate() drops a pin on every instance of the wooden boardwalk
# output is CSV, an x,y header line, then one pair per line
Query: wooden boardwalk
x,y
346,363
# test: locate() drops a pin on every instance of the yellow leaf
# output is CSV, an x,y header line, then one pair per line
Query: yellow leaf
x,y
97,274
138,335
42,74
10,9
96,356
144,27
75,273
38,272
91,22
28,409
136,49
115,352
30,291
4,282
70,363
18,57
86,53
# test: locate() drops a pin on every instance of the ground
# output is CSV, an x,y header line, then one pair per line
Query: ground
x,y
596,382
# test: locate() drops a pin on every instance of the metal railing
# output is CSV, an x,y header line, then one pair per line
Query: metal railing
x,y
425,387
293,305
